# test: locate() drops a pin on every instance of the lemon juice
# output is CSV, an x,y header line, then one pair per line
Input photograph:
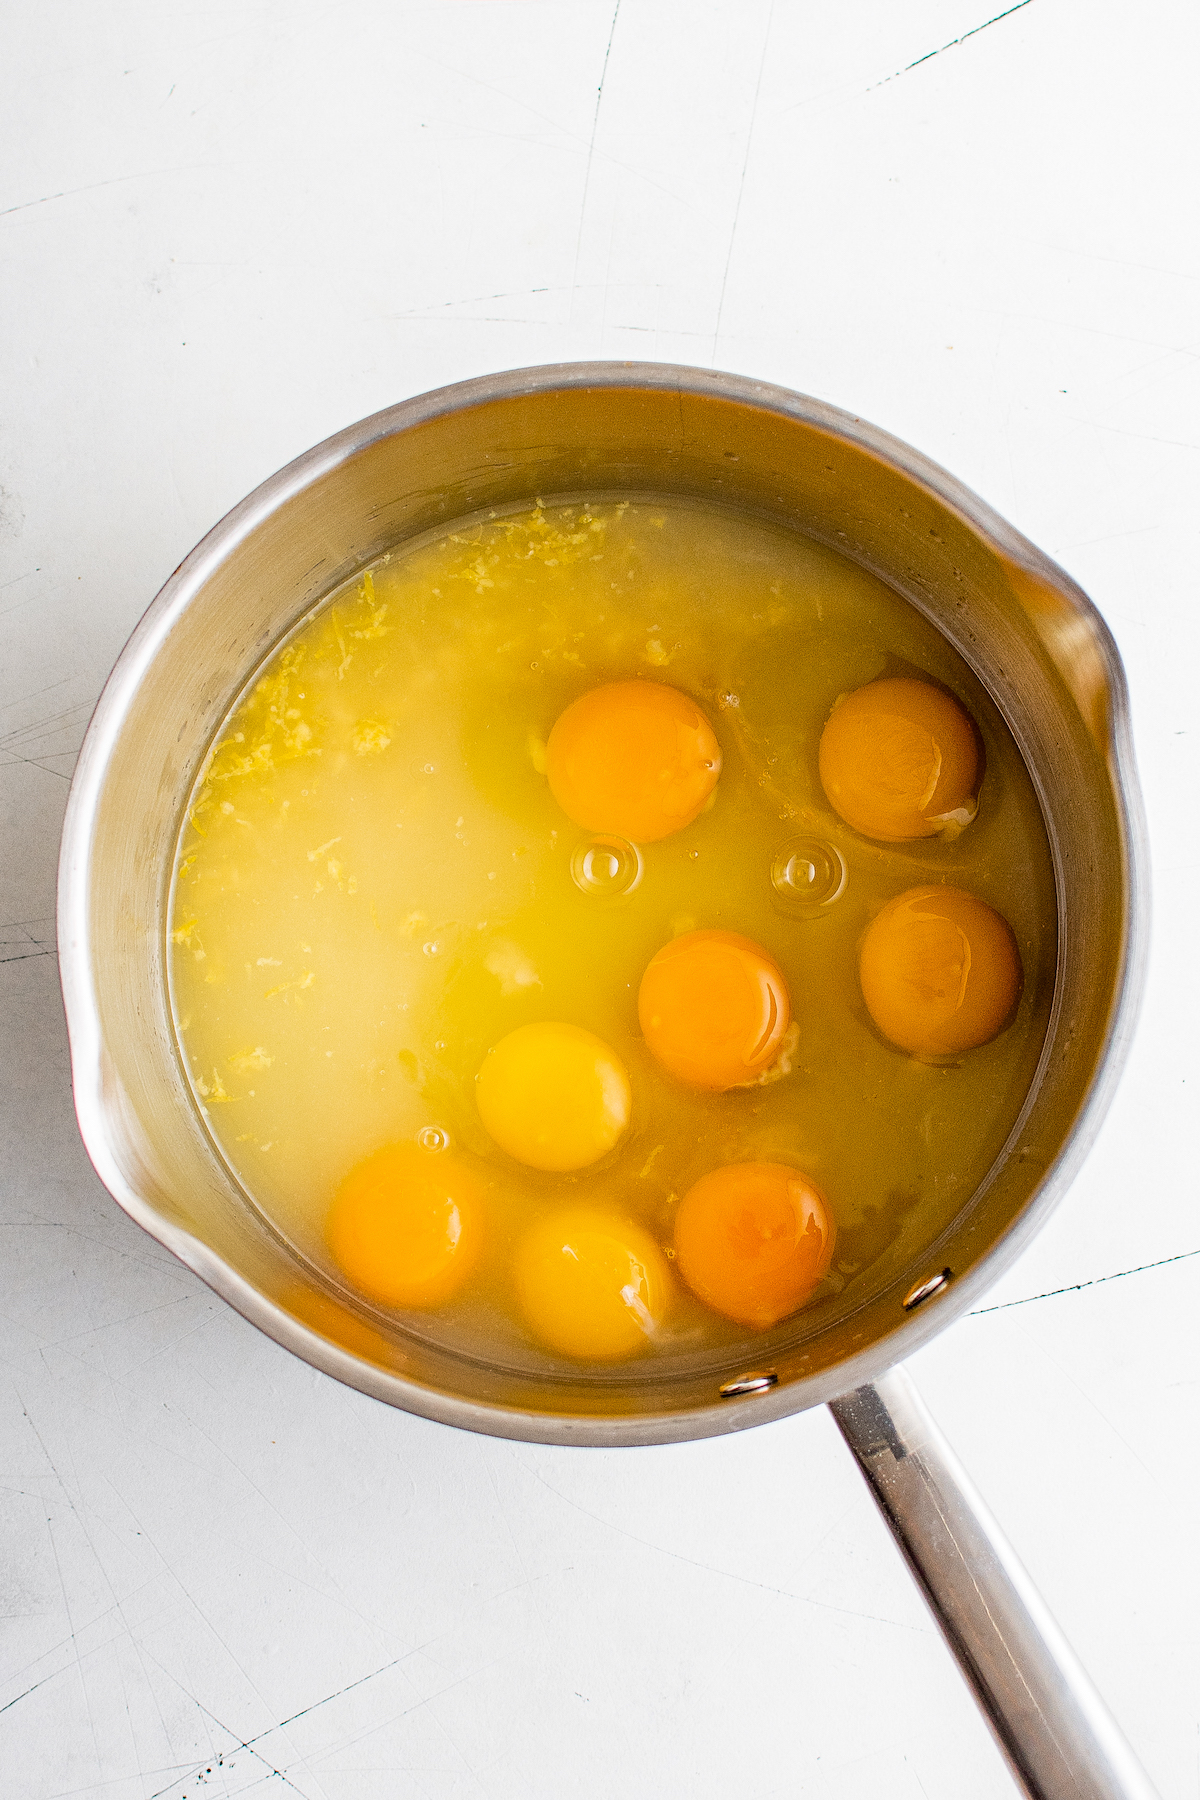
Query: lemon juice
x,y
380,880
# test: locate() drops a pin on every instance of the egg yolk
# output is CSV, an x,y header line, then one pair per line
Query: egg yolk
x,y
940,971
714,1008
634,758
753,1240
404,1227
900,759
553,1096
591,1285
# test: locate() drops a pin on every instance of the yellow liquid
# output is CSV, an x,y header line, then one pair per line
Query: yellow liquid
x,y
375,885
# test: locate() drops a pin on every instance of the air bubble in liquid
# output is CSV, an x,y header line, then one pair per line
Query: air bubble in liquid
x,y
807,876
433,1138
606,868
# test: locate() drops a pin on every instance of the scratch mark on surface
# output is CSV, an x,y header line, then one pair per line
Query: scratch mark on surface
x,y
1108,538
31,762
95,1331
92,1790
437,309
1123,262
1145,437
17,1698
143,1652
748,1581
732,1650
9,757
161,1265
654,330
242,1743
328,1699
917,1778
248,1744
91,186
37,931
405,1712
335,1588
1094,1404
527,1579
18,604
560,130
1153,362
68,1643
929,54
1077,1287
44,727
424,312
71,1623
762,63
587,169
36,695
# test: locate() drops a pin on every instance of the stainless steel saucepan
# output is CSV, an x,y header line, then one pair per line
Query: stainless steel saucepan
x,y
1047,660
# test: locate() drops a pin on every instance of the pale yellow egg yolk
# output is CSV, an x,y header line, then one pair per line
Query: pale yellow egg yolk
x,y
592,1285
553,1095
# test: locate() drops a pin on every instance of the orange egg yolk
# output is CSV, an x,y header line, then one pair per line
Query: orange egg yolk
x,y
753,1240
900,759
714,1008
591,1285
553,1095
634,758
940,971
405,1225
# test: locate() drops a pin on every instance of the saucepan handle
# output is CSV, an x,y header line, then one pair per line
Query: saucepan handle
x,y
1060,1740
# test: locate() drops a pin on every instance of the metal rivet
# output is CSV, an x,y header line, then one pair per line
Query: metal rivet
x,y
757,1381
925,1290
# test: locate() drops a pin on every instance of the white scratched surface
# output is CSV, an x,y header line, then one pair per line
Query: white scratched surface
x,y
226,231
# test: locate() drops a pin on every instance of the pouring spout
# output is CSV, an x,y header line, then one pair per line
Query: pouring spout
x,y
1058,1736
